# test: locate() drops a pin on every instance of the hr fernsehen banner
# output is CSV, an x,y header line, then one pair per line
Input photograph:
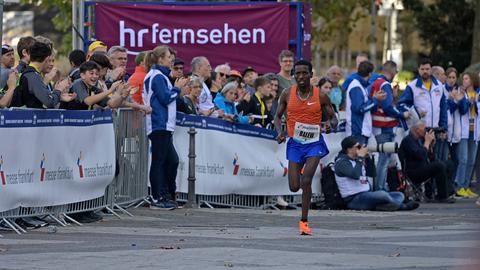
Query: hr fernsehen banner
x,y
54,157
237,158
242,35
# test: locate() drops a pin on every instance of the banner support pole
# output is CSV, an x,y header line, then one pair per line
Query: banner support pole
x,y
192,200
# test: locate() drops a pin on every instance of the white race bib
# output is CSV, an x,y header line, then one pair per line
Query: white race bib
x,y
305,133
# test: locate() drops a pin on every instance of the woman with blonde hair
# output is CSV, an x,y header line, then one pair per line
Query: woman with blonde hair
x,y
161,95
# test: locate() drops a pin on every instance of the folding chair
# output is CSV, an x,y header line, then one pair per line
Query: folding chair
x,y
412,191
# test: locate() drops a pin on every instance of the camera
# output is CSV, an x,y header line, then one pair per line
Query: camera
x,y
436,130
388,147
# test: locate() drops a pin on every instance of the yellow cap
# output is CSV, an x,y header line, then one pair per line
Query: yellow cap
x,y
95,45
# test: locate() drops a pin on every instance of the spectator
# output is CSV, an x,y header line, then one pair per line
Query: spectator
x,y
6,93
325,88
161,95
351,177
414,151
88,95
223,71
385,120
118,58
425,93
361,57
201,68
452,76
8,62
226,102
23,48
359,104
178,68
249,75
191,99
337,96
104,63
465,132
274,92
96,47
76,58
33,91
136,80
439,73
256,107
285,78
215,83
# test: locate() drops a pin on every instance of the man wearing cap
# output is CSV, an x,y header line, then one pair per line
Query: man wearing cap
x,y
351,175
8,61
249,75
136,80
96,46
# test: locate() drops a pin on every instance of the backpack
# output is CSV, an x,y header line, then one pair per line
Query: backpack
x,y
332,198
396,179
18,96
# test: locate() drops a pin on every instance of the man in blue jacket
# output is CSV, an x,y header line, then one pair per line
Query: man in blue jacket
x,y
359,104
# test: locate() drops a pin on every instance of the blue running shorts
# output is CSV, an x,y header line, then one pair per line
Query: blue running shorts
x,y
298,152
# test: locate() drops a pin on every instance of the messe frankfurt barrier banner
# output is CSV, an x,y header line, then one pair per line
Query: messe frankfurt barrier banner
x,y
54,157
238,158
242,35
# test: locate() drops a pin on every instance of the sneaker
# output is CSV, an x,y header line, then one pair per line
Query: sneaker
x,y
387,207
162,205
462,193
470,192
411,205
304,229
281,201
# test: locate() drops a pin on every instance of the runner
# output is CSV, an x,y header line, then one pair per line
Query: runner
x,y
306,146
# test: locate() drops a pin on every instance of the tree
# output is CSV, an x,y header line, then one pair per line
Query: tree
x,y
476,35
446,27
62,20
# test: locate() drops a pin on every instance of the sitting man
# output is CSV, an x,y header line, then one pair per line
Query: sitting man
x,y
351,176
414,154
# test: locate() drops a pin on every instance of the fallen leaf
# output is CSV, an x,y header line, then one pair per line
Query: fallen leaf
x,y
394,254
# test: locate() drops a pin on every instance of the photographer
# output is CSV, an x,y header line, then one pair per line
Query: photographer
x,y
416,148
351,176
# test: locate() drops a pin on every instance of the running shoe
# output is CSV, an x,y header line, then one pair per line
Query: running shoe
x,y
304,229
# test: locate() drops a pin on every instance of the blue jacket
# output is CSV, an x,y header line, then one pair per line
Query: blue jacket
x,y
229,108
352,76
433,102
359,106
159,94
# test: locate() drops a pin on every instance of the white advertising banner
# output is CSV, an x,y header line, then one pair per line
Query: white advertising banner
x,y
237,158
54,157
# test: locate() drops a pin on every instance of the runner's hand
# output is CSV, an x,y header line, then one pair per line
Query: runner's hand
x,y
281,138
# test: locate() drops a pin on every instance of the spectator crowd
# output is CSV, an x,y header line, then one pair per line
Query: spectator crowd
x,y
439,108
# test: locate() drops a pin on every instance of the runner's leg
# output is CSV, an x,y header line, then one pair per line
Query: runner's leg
x,y
294,175
306,184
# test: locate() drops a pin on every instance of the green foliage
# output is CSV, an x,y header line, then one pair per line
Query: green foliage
x,y
62,20
338,16
447,28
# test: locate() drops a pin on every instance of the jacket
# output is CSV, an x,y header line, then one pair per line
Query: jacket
x,y
350,175
229,108
136,80
433,102
254,108
159,93
359,106
387,115
459,128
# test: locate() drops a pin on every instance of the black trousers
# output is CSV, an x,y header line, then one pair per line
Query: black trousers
x,y
163,170
436,170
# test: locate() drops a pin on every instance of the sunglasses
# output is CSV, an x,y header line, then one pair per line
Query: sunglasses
x,y
358,146
222,74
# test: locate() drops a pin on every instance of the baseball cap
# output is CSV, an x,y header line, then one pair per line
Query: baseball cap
x,y
348,142
247,69
235,73
96,44
6,48
178,61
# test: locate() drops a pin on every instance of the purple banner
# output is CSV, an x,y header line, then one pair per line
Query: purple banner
x,y
242,35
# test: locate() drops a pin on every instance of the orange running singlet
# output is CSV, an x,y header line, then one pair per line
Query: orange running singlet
x,y
303,115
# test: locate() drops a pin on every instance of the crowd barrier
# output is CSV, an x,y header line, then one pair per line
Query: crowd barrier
x,y
128,187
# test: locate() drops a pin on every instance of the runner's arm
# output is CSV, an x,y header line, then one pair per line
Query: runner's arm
x,y
282,106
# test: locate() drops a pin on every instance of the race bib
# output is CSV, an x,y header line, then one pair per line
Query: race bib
x,y
305,133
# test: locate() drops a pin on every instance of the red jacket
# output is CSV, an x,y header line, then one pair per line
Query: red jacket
x,y
136,80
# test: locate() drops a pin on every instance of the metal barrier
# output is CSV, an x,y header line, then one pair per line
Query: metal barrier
x,y
128,187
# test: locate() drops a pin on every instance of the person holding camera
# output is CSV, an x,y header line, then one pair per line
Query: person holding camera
x,y
415,149
352,169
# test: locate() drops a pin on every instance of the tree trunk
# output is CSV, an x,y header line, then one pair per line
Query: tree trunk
x,y
476,35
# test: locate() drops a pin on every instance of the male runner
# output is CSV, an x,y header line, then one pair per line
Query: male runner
x,y
305,146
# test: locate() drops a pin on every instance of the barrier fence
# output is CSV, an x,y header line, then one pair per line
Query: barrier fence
x,y
130,184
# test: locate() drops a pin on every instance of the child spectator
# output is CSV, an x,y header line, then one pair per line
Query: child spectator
x,y
76,58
